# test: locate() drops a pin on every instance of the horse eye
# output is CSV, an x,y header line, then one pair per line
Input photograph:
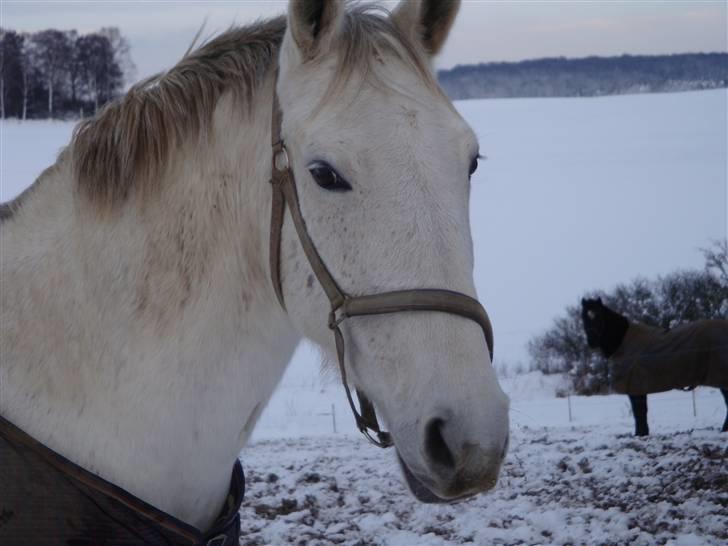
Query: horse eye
x,y
326,177
473,166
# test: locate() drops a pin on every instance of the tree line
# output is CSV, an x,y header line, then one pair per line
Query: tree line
x,y
61,74
586,77
665,302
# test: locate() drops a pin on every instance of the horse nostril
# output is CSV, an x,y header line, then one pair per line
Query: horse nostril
x,y
435,445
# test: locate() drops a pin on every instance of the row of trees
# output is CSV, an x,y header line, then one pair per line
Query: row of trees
x,y
590,76
57,74
666,302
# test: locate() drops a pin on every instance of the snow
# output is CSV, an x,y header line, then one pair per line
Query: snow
x,y
560,485
304,408
582,194
576,194
533,385
26,149
580,481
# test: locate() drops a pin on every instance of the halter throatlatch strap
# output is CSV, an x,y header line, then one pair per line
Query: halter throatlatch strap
x,y
344,306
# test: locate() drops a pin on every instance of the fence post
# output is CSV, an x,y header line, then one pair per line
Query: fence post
x,y
568,400
333,416
695,409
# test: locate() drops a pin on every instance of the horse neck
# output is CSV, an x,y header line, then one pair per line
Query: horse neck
x,y
615,329
150,337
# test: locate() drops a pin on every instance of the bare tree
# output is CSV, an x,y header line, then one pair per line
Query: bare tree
x,y
52,50
122,53
716,260
73,66
25,65
2,74
101,73
11,48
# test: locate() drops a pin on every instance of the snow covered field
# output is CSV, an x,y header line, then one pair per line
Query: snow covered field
x,y
578,486
584,481
576,194
587,481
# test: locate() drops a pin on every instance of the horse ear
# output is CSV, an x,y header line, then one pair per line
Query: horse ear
x,y
314,24
427,21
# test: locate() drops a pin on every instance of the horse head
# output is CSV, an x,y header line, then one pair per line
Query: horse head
x,y
382,163
594,320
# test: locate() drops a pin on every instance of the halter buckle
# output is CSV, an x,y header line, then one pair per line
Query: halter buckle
x,y
383,439
336,317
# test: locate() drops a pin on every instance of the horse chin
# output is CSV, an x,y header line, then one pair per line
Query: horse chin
x,y
421,492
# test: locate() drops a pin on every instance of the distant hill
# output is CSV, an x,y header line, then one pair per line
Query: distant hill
x,y
587,77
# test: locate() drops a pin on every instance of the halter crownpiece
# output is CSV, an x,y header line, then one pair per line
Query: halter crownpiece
x,y
343,305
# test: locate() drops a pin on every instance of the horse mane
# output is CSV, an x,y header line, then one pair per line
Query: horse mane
x,y
615,328
131,140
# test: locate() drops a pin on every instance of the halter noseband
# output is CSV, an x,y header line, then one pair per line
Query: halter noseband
x,y
343,305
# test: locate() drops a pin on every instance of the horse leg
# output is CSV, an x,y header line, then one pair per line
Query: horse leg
x,y
725,396
639,410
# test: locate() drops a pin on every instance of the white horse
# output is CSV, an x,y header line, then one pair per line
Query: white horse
x,y
141,335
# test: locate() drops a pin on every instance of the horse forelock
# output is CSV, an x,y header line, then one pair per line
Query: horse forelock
x,y
368,35
130,143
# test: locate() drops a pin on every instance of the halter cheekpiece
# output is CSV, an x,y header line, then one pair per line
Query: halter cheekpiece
x,y
343,305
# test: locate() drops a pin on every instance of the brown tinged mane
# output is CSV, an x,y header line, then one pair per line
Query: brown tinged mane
x,y
131,140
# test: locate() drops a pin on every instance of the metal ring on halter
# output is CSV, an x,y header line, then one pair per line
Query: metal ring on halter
x,y
280,157
383,439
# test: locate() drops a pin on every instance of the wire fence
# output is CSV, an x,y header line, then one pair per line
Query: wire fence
x,y
696,408
297,411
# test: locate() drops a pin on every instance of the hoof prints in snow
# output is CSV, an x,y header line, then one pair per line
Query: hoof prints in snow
x,y
557,487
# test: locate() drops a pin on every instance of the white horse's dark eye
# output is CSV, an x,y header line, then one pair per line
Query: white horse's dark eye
x,y
327,177
473,166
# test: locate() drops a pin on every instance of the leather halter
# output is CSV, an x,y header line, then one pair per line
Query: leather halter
x,y
343,305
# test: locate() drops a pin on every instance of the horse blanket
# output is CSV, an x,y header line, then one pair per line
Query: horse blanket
x,y
652,360
45,499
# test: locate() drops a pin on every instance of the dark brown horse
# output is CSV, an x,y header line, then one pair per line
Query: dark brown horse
x,y
646,360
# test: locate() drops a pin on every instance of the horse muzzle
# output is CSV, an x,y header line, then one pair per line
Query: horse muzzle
x,y
449,466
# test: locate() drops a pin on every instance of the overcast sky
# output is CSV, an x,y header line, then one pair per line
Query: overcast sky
x,y
486,30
